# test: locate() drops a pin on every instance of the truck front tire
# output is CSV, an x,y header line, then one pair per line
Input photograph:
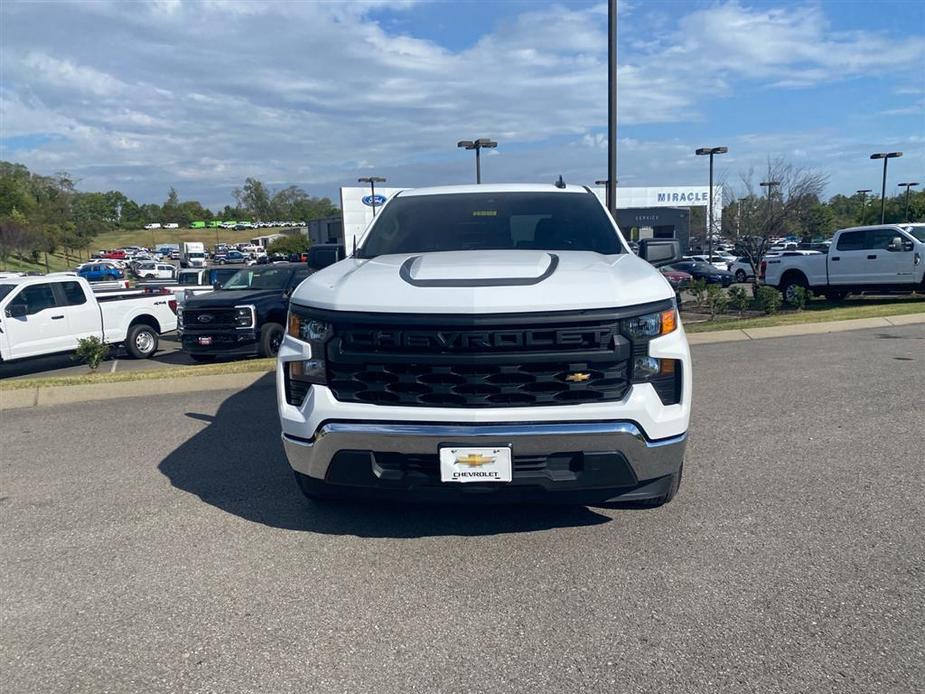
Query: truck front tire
x,y
141,341
271,336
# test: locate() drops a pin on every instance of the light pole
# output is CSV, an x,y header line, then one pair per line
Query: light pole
x,y
863,192
907,186
886,156
477,145
372,181
611,196
702,152
769,185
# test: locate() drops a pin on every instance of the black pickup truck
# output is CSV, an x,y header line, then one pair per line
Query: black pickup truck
x,y
246,316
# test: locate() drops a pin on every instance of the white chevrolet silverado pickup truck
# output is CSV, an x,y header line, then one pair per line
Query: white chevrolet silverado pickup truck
x,y
886,257
489,342
47,315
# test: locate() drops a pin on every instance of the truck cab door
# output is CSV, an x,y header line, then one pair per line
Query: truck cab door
x,y
848,263
899,260
83,313
43,328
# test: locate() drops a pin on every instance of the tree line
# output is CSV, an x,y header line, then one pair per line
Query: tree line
x,y
40,215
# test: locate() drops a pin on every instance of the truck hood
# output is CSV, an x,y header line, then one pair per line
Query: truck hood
x,y
479,282
230,297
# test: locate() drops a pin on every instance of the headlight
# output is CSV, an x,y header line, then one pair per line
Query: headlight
x,y
308,329
179,316
316,333
663,374
244,316
651,325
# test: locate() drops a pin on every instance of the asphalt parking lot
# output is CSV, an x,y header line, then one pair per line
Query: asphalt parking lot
x,y
163,546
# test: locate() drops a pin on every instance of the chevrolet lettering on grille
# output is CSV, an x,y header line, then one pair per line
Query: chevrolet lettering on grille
x,y
597,337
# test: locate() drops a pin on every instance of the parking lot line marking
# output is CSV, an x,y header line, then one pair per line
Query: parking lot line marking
x,y
114,363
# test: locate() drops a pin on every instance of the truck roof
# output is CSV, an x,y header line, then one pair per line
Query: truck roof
x,y
35,279
494,188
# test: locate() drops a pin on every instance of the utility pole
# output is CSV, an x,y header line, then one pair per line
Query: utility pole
x,y
703,151
611,197
864,192
477,145
907,186
886,156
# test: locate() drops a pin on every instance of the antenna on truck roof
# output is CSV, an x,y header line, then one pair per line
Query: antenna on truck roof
x,y
560,183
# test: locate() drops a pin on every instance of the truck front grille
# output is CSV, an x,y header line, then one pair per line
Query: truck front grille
x,y
205,319
498,362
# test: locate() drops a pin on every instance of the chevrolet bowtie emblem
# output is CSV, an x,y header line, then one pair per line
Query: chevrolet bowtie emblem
x,y
475,459
578,377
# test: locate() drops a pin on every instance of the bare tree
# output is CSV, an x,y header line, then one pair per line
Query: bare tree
x,y
752,221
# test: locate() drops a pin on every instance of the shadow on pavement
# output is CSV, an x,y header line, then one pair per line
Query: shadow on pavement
x,y
237,464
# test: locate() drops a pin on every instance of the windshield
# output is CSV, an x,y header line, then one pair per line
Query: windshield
x,y
195,255
271,278
917,232
491,221
5,289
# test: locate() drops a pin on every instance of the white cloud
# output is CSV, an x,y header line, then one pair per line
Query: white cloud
x,y
304,92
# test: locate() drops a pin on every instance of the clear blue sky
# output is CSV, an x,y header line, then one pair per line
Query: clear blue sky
x,y
142,96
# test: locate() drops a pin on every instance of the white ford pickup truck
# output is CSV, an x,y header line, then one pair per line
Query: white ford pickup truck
x,y
489,342
886,257
47,315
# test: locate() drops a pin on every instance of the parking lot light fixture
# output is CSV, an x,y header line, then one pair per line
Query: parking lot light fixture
x,y
907,186
710,151
886,156
372,181
478,146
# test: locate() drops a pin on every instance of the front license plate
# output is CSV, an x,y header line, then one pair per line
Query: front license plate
x,y
205,340
461,464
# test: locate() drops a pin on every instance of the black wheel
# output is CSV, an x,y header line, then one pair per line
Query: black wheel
x,y
741,276
789,286
667,496
141,341
203,358
271,336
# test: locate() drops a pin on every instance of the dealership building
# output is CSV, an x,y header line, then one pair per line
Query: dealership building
x,y
661,212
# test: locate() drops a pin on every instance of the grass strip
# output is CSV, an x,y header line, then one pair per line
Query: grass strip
x,y
814,314
249,366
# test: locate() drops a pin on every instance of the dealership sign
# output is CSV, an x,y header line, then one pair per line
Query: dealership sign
x,y
695,196
374,200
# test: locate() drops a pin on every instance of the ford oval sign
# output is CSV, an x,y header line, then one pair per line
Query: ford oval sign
x,y
374,200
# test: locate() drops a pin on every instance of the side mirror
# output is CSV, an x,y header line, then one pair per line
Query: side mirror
x,y
216,285
323,255
17,310
896,244
659,252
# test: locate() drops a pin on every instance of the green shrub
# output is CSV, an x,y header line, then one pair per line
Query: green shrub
x,y
717,300
800,297
698,289
739,299
91,350
768,299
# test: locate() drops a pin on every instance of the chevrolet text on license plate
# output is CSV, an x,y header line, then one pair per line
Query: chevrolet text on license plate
x,y
461,464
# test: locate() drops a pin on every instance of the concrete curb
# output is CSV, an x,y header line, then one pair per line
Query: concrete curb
x,y
64,395
835,326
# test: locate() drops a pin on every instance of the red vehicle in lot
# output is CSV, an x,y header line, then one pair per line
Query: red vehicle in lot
x,y
113,255
677,279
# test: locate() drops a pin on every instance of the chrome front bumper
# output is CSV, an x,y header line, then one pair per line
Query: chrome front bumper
x,y
648,459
